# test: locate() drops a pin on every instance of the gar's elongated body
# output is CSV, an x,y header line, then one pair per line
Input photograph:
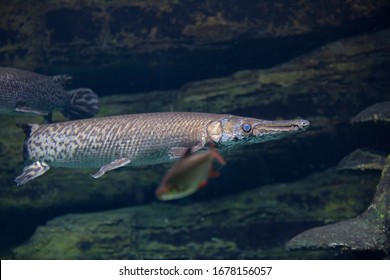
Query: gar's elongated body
x,y
140,139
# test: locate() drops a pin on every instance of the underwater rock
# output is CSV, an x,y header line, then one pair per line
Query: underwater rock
x,y
250,224
149,39
362,160
368,231
365,232
379,112
316,83
313,86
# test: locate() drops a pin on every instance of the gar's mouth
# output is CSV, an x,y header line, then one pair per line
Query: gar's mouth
x,y
285,126
275,129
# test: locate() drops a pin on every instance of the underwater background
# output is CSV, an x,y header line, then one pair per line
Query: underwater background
x,y
320,194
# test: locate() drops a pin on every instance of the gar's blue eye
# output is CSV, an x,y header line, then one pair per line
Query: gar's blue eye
x,y
246,127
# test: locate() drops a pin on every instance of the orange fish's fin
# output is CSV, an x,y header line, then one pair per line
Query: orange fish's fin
x,y
161,190
218,156
213,173
202,184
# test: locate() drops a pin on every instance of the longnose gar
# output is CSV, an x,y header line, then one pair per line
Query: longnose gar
x,y
140,139
28,92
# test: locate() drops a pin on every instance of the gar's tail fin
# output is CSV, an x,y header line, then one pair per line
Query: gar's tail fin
x,y
84,104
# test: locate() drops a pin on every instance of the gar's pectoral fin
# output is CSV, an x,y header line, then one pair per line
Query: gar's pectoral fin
x,y
32,171
111,166
178,152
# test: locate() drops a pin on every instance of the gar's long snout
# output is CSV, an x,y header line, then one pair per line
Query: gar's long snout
x,y
280,126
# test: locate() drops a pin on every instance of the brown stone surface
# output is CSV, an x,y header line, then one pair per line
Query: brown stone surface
x,y
252,224
119,36
377,113
362,160
368,231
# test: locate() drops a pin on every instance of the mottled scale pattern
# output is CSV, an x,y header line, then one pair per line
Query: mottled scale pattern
x,y
19,88
143,138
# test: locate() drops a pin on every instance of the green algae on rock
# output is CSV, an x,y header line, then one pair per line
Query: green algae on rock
x,y
362,160
235,226
368,231
100,32
377,113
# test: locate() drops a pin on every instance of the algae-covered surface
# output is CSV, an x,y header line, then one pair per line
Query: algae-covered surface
x,y
328,64
362,160
130,45
233,226
379,112
368,231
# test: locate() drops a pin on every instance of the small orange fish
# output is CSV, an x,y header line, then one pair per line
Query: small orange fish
x,y
188,174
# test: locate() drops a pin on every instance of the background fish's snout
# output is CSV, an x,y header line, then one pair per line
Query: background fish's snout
x,y
303,124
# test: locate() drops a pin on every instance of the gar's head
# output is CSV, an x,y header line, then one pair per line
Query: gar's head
x,y
234,130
